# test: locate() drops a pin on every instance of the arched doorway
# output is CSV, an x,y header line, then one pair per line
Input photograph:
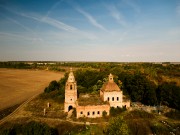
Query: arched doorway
x,y
69,108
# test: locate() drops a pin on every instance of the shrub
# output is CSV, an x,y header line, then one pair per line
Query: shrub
x,y
31,128
173,114
159,129
104,113
116,111
66,128
53,85
139,114
139,126
117,126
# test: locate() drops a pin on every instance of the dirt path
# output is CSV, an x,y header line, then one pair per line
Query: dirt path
x,y
16,86
10,116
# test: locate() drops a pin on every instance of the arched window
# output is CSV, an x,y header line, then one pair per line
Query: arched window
x,y
112,98
70,87
81,112
88,113
108,99
70,107
117,98
98,112
93,113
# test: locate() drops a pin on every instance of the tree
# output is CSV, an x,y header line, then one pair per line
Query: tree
x,y
104,113
53,85
169,94
139,88
117,126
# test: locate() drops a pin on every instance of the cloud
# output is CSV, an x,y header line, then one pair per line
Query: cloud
x,y
53,7
48,20
132,5
58,24
20,24
90,18
15,36
117,15
52,22
178,9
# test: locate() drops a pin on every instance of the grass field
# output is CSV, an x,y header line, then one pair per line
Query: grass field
x,y
17,86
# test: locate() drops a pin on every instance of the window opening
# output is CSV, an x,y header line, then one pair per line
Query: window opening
x,y
70,87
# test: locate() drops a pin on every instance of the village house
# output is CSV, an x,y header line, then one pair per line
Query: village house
x,y
93,106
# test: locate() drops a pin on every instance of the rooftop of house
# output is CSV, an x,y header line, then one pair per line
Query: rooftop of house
x,y
90,99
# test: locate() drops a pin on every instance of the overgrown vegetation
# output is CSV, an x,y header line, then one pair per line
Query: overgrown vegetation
x,y
116,111
117,126
173,114
31,128
169,94
143,123
7,111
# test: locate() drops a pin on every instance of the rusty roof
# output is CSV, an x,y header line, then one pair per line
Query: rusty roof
x,y
110,86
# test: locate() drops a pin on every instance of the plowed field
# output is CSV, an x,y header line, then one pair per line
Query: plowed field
x,y
17,86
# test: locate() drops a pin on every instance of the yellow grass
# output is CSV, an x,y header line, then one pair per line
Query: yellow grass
x,y
17,86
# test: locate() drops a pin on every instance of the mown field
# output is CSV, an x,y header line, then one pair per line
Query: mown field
x,y
17,85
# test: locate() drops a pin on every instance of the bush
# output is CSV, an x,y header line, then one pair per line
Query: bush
x,y
173,114
31,128
139,114
139,126
116,111
117,126
67,128
104,113
159,129
52,86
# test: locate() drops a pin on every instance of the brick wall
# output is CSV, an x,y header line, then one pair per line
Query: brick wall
x,y
92,111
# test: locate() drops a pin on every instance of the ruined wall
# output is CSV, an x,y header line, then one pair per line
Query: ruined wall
x,y
126,104
92,111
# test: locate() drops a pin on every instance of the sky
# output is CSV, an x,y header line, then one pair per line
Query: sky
x,y
90,30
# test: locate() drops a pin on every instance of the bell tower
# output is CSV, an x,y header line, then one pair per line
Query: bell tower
x,y
70,92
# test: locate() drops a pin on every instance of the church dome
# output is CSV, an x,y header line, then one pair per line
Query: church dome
x,y
110,85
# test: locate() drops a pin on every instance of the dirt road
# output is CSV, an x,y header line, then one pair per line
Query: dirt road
x,y
17,86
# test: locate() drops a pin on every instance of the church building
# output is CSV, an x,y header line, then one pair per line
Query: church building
x,y
93,106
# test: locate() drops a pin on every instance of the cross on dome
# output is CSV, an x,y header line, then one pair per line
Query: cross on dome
x,y
111,78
